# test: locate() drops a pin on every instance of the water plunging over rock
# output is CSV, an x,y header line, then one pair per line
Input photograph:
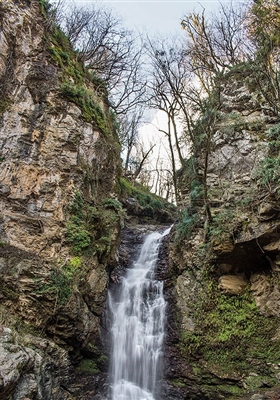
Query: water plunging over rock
x,y
138,327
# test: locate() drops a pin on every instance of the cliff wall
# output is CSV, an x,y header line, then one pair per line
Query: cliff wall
x,y
59,218
224,272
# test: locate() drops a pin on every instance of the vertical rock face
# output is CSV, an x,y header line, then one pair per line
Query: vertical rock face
x,y
226,278
51,157
46,145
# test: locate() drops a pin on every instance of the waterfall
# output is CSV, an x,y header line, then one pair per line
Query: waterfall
x,y
138,327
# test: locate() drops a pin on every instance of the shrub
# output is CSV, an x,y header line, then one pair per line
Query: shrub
x,y
92,228
144,197
222,225
187,222
61,280
268,171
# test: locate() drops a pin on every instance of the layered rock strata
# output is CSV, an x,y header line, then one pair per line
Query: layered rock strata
x,y
57,171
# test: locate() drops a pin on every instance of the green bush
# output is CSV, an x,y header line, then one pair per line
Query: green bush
x,y
112,203
60,282
268,172
4,105
92,228
222,225
88,366
187,222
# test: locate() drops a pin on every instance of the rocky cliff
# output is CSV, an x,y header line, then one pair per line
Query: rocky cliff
x,y
225,272
60,219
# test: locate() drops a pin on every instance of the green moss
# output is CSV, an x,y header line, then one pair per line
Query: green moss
x,y
4,105
142,194
91,228
178,383
125,188
224,389
255,381
222,322
84,99
88,366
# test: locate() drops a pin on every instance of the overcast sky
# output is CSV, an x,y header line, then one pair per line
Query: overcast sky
x,y
155,16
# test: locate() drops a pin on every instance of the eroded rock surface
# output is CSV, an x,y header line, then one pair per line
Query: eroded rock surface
x,y
50,156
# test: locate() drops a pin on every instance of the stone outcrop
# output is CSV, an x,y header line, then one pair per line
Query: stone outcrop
x,y
27,373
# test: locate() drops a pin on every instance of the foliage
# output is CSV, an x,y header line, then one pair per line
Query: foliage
x,y
112,203
144,197
188,178
4,105
273,135
264,27
91,228
61,281
184,228
98,82
85,100
46,7
221,226
75,79
115,121
63,55
223,321
268,171
88,366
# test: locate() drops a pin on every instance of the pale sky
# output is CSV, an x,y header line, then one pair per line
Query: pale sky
x,y
155,16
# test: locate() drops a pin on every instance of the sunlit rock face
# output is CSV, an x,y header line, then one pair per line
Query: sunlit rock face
x,y
48,152
45,144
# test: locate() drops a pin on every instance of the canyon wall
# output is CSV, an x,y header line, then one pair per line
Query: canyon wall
x,y
223,274
59,218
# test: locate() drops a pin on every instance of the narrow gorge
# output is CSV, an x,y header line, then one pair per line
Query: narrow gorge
x,y
72,226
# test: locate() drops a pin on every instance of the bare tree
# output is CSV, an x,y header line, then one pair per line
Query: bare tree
x,y
129,134
217,44
109,50
263,31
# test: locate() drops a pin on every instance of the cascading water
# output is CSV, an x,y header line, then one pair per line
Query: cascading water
x,y
138,328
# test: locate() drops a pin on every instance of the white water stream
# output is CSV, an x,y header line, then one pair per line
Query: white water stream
x,y
138,328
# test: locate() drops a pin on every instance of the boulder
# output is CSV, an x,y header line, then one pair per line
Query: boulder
x,y
232,284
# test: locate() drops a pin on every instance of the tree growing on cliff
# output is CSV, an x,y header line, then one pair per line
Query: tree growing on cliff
x,y
263,31
109,50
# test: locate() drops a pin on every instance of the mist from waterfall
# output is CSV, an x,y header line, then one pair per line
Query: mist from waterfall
x,y
138,328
